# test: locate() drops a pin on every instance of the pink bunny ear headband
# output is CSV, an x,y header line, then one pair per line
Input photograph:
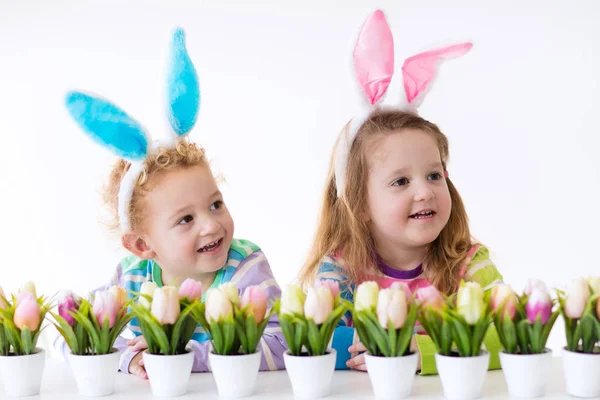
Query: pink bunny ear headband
x,y
373,58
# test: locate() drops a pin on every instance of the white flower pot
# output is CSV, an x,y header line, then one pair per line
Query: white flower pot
x,y
310,375
462,377
392,377
582,373
22,375
526,374
235,375
168,375
95,374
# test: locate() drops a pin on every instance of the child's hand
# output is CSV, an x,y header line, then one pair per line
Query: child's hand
x,y
138,343
136,366
358,362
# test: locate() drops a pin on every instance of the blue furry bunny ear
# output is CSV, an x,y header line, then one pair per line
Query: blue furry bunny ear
x,y
183,88
108,125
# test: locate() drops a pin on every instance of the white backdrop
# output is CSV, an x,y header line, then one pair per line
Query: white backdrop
x,y
520,111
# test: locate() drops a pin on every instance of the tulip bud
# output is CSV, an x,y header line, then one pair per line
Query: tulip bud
x,y
504,301
165,305
218,305
105,307
292,300
391,307
328,283
594,283
319,304
190,289
430,298
538,304
366,296
578,293
534,283
256,298
67,304
27,312
232,292
147,289
470,303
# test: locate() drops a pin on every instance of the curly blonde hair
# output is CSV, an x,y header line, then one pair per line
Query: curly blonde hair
x,y
341,228
185,154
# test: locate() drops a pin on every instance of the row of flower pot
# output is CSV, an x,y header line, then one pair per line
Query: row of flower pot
x,y
384,318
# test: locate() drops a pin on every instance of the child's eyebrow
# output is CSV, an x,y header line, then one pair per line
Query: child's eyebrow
x,y
400,171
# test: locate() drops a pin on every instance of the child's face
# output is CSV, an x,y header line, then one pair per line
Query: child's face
x,y
187,223
406,177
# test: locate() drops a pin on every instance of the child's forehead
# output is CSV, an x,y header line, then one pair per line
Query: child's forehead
x,y
182,185
405,148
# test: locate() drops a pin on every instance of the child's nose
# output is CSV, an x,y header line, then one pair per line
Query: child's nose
x,y
423,193
209,227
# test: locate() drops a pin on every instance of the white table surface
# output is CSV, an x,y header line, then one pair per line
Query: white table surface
x,y
58,383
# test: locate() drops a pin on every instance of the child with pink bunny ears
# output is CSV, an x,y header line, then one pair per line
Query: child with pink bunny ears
x,y
390,211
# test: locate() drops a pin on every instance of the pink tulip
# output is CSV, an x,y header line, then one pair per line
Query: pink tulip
x,y
27,312
319,304
504,301
328,283
538,304
405,289
256,298
430,297
534,283
105,307
391,307
67,304
190,289
165,305
218,305
578,294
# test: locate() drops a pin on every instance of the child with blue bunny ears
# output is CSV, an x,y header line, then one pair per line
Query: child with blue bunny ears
x,y
171,214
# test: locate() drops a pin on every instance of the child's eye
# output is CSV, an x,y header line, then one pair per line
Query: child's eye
x,y
216,205
435,176
185,220
400,182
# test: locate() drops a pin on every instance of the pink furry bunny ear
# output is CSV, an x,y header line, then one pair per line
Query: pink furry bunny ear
x,y
374,57
419,70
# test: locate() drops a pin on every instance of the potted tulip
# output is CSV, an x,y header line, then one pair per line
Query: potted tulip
x,y
21,361
307,322
385,321
235,326
524,324
165,318
464,320
90,329
580,309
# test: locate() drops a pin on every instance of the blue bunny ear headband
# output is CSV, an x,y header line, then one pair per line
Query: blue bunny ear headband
x,y
111,127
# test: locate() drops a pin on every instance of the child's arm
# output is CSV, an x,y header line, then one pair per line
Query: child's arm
x,y
253,270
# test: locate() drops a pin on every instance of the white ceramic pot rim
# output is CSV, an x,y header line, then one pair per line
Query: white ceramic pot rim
x,y
384,357
327,353
581,354
37,351
546,351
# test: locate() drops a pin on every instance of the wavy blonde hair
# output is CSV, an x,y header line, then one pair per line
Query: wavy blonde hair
x,y
341,228
185,154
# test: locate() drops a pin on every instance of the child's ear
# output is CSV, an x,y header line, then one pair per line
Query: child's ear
x,y
138,246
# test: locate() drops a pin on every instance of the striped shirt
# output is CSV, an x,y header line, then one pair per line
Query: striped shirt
x,y
477,267
246,266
